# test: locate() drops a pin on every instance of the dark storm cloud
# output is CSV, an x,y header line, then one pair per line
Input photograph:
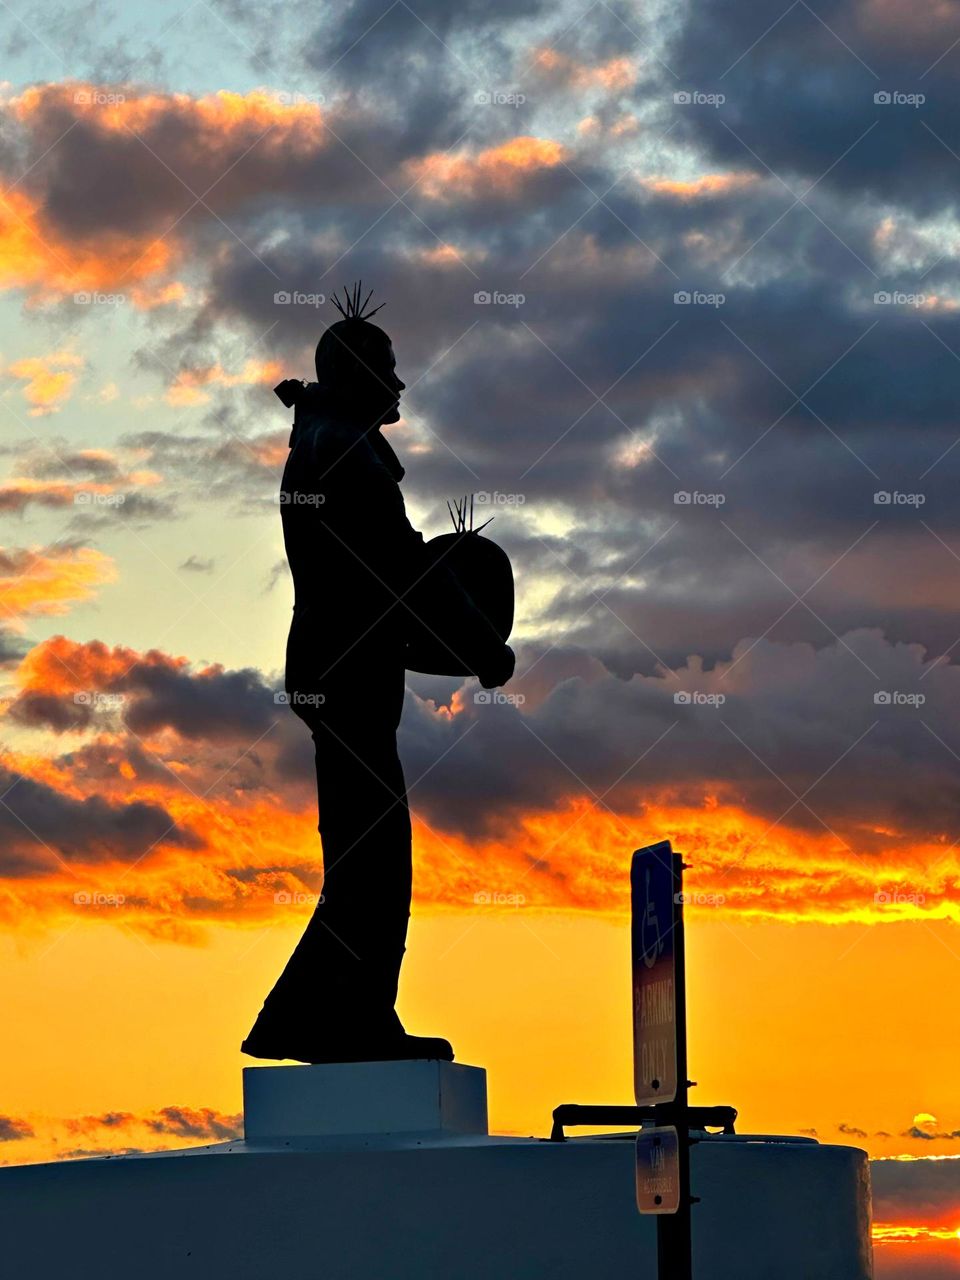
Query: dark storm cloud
x,y
800,86
855,740
852,1131
927,1135
204,1122
14,1130
182,1122
914,1190
40,827
793,718
149,692
231,731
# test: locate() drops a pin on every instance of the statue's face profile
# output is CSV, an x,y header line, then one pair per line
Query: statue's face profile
x,y
386,386
358,369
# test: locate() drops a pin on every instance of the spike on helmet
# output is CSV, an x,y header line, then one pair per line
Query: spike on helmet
x,y
352,308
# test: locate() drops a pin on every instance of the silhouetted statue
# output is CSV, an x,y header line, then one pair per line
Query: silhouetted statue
x,y
371,598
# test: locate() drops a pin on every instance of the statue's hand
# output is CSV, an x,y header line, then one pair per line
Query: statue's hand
x,y
498,671
289,391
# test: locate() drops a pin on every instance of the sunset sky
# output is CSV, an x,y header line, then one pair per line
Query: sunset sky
x,y
676,292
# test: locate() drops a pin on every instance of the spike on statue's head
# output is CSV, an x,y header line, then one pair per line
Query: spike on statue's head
x,y
355,362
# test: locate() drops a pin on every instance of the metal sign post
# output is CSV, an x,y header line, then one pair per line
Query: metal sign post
x,y
660,1052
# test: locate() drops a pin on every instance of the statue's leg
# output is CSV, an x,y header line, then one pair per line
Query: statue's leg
x,y
340,984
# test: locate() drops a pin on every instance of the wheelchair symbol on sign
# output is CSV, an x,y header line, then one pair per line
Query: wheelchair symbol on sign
x,y
651,939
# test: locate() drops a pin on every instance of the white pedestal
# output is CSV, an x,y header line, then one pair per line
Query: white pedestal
x,y
384,1171
428,1097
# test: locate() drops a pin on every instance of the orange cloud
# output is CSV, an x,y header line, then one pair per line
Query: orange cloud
x,y
49,380
188,389
47,581
59,665
614,75
502,170
120,127
120,108
704,187
36,256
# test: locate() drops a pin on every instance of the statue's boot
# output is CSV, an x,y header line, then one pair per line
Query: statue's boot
x,y
300,1048
356,1022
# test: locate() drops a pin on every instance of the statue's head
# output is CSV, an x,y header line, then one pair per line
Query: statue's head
x,y
356,367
